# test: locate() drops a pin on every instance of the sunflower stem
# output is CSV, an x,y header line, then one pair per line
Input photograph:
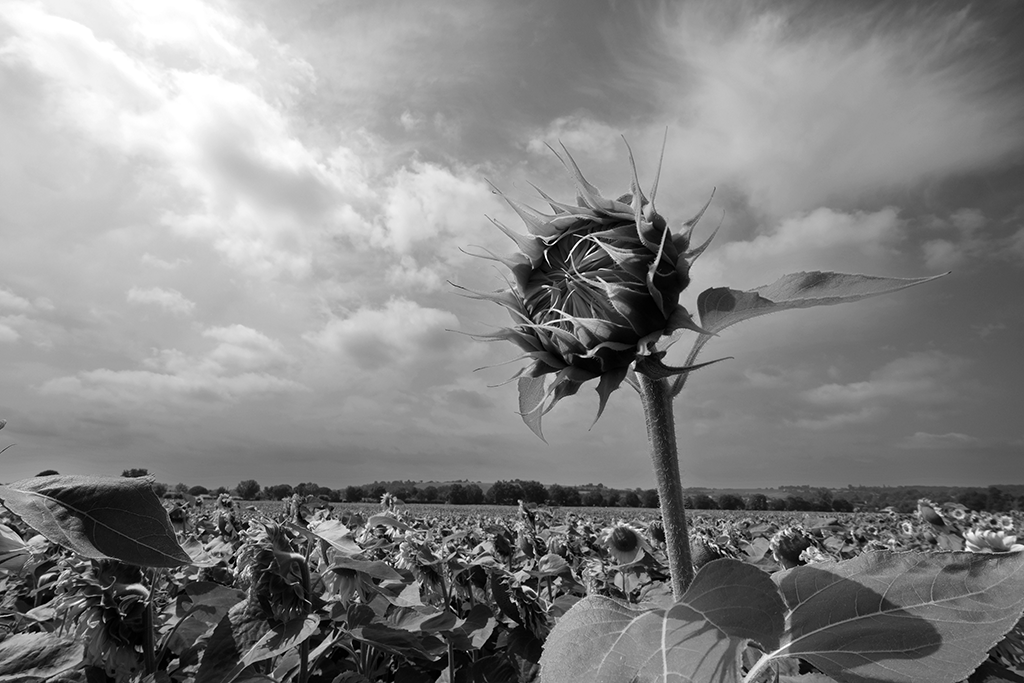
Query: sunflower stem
x,y
656,396
148,625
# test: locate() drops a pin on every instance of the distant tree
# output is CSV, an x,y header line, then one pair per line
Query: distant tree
x,y
612,497
221,490
377,491
823,499
649,498
278,491
308,488
996,500
630,499
159,489
842,505
135,472
428,494
505,493
47,473
730,501
474,494
403,493
777,504
556,494
198,491
757,501
593,498
572,497
181,488
248,489
456,494
354,494
533,491
798,504
704,502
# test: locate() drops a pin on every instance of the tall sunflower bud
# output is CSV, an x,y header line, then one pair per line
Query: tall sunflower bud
x,y
594,286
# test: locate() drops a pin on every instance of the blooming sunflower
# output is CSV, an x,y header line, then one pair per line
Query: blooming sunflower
x,y
594,286
990,541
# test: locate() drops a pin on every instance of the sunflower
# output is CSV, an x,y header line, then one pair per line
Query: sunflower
x,y
107,605
594,286
991,541
625,543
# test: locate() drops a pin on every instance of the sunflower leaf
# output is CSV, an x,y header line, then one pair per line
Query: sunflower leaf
x,y
722,307
910,616
700,638
98,517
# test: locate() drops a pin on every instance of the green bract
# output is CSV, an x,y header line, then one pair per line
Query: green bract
x,y
594,286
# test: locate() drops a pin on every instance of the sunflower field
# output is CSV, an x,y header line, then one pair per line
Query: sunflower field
x,y
102,581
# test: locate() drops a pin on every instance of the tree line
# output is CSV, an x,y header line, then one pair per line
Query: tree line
x,y
510,492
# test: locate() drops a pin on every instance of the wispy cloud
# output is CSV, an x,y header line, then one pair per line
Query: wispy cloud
x,y
771,99
941,441
170,300
242,364
922,378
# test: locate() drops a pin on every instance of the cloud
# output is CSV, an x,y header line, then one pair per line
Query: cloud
x,y
427,203
13,302
807,108
171,300
925,440
867,414
823,239
988,329
239,367
162,264
581,134
203,106
920,378
396,333
8,334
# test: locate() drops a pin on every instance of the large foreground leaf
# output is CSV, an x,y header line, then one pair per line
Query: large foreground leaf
x,y
882,616
700,638
99,517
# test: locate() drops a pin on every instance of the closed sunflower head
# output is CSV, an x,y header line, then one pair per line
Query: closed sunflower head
x,y
593,287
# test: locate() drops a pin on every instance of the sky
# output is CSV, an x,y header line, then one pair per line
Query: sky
x,y
228,228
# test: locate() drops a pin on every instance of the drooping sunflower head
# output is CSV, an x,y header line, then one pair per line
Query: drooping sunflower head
x,y
594,286
624,542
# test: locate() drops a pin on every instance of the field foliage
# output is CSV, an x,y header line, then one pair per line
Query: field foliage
x,y
102,581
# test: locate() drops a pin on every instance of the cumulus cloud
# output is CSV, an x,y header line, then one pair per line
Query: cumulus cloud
x,y
171,300
203,103
427,203
396,333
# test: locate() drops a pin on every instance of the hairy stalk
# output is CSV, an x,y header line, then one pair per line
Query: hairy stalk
x,y
148,642
304,645
656,396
